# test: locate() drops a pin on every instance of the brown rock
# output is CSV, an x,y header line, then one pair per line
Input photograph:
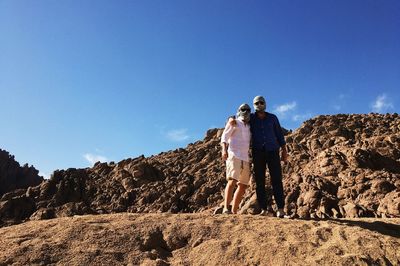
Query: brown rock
x,y
351,210
13,176
390,205
341,165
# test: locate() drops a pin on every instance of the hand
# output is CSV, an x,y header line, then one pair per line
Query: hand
x,y
232,121
224,155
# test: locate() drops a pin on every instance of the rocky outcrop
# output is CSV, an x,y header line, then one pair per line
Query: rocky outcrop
x,y
184,180
339,166
345,166
13,176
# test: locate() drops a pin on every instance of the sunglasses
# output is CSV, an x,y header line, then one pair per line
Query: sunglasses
x,y
245,110
259,103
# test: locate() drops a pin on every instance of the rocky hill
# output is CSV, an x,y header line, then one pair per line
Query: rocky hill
x,y
13,176
339,166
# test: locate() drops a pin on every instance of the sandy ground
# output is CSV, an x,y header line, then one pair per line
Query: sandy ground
x,y
200,239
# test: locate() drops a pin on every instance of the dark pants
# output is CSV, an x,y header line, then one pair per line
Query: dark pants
x,y
260,160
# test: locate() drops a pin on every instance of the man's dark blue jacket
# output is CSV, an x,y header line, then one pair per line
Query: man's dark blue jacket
x,y
266,134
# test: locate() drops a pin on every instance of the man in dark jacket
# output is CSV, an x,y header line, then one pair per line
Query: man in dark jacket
x,y
267,139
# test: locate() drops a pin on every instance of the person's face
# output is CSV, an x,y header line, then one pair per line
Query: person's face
x,y
259,105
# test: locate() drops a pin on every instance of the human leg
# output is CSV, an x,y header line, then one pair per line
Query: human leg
x,y
237,198
259,163
228,193
231,177
243,182
275,171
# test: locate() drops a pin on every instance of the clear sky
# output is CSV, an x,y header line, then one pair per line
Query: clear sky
x,y
87,80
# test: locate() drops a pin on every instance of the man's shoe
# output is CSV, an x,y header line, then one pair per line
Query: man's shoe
x,y
281,214
264,213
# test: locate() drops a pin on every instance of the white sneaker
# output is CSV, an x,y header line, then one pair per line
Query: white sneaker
x,y
218,210
226,211
281,214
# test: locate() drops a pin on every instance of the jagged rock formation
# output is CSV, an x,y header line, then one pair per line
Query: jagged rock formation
x,y
340,166
13,176
345,166
184,180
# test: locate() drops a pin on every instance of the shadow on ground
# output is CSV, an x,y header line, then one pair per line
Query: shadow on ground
x,y
384,228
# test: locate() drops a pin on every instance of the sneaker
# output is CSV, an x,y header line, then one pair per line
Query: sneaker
x,y
264,213
218,210
226,211
281,214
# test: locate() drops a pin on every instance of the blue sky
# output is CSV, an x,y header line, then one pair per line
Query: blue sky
x,y
82,81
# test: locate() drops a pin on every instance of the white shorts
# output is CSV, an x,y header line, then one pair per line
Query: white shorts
x,y
238,170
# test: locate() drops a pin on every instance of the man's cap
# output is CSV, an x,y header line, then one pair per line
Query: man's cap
x,y
258,99
244,106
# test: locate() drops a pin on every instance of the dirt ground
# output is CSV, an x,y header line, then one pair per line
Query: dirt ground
x,y
200,239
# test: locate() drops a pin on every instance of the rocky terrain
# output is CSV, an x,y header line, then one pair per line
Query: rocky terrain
x,y
339,166
200,239
13,176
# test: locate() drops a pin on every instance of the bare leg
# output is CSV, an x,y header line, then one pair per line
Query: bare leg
x,y
228,193
237,198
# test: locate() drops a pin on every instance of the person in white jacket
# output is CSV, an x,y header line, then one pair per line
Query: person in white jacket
x,y
235,143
